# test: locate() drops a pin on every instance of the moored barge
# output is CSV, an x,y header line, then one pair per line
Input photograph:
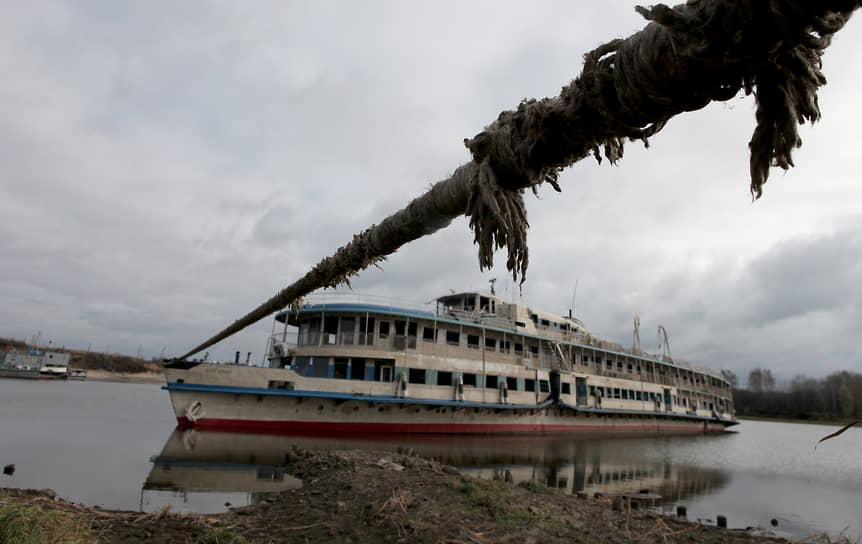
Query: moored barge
x,y
34,365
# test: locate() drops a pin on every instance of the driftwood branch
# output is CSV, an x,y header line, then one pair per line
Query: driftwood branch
x,y
685,58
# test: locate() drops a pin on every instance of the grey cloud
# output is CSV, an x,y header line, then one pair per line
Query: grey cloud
x,y
162,174
807,275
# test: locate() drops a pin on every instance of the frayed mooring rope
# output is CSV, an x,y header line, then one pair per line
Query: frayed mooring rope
x,y
685,58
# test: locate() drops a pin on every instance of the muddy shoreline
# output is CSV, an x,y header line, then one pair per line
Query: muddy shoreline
x,y
365,496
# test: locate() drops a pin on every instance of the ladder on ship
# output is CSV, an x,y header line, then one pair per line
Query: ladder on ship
x,y
560,362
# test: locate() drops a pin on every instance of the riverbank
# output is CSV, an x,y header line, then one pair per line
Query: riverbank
x,y
828,422
99,366
366,496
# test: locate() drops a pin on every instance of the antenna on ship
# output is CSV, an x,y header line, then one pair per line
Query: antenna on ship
x,y
492,281
574,296
636,345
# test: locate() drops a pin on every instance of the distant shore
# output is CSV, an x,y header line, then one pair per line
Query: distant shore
x,y
827,422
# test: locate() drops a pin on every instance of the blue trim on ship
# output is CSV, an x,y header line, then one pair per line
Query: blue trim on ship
x,y
383,399
391,310
612,411
389,399
212,465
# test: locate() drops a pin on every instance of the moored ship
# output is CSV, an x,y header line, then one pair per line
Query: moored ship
x,y
472,364
35,364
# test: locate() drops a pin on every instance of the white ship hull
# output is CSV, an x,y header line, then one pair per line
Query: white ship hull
x,y
375,369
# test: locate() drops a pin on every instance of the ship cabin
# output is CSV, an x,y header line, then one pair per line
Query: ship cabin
x,y
475,347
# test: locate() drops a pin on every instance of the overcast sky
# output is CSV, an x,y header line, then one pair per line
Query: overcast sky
x,y
165,167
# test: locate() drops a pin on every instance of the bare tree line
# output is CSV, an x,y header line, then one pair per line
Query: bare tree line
x,y
829,398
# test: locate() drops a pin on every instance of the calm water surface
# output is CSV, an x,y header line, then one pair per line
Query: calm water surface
x,y
114,445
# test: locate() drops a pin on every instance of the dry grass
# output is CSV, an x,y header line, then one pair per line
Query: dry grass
x,y
33,525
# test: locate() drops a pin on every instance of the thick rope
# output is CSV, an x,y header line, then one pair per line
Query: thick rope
x,y
685,58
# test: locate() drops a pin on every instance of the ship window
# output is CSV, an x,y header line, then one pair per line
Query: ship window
x,y
520,324
529,384
546,323
484,304
400,327
469,379
519,348
320,367
312,337
339,368
620,366
544,386
491,382
366,331
470,303
631,368
301,364
278,384
586,360
512,384
412,329
330,329
490,344
453,338
534,350
428,334
567,388
302,336
400,340
609,364
347,326
444,378
384,371
384,329
357,369
473,341
416,375
534,318
505,346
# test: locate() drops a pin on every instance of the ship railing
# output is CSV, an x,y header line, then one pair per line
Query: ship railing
x,y
478,317
278,338
391,303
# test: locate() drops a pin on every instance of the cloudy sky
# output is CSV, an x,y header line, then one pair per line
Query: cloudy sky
x,y
165,167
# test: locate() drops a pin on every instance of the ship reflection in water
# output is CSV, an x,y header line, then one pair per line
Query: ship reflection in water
x,y
208,472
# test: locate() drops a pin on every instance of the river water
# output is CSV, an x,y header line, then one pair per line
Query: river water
x,y
115,445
